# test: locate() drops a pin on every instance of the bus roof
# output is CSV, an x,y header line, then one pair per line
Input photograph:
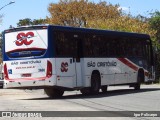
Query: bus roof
x,y
25,28
77,29
100,31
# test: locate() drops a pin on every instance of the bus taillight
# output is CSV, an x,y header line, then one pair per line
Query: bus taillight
x,y
49,69
5,72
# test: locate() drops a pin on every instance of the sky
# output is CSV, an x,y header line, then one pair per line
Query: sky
x,y
36,9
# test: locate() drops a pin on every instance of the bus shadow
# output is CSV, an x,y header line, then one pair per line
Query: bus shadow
x,y
100,95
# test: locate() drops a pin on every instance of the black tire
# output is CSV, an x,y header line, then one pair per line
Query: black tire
x,y
95,83
1,86
137,86
140,78
104,88
53,93
85,91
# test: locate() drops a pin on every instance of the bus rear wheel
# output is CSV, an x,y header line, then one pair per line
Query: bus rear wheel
x,y
53,93
95,83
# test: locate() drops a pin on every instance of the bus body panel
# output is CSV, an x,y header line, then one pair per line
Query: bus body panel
x,y
40,79
68,72
32,68
112,71
65,72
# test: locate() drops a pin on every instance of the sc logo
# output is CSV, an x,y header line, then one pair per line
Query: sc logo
x,y
22,38
64,67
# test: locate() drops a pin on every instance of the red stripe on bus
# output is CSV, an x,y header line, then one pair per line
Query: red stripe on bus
x,y
27,79
128,63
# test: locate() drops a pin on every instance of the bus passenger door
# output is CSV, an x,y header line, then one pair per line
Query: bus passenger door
x,y
69,68
77,60
67,64
65,70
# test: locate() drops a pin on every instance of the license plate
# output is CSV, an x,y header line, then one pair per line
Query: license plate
x,y
26,75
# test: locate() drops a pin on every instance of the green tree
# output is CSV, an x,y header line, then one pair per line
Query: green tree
x,y
24,22
154,22
78,13
123,23
38,21
28,21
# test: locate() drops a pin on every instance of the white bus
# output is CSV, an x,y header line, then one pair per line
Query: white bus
x,y
58,59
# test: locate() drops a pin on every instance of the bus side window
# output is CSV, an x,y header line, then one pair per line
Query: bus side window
x,y
104,47
59,41
113,47
88,49
65,44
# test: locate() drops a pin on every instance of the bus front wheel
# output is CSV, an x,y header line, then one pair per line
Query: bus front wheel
x,y
104,88
53,93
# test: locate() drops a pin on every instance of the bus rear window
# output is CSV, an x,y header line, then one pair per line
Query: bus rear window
x,y
27,43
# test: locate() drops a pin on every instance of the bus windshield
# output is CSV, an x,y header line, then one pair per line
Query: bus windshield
x,y
25,43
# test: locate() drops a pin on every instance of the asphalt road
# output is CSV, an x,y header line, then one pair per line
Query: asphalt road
x,y
117,98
